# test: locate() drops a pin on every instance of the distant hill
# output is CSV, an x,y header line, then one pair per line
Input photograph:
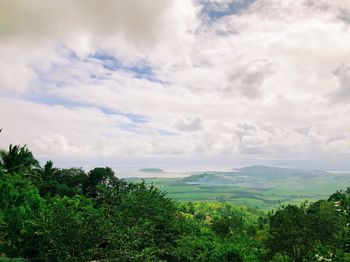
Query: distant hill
x,y
277,171
208,179
251,175
151,170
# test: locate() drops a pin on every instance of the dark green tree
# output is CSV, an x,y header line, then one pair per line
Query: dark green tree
x,y
145,223
327,223
20,207
73,230
99,176
227,224
18,159
289,232
61,182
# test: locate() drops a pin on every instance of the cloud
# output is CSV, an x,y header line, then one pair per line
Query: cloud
x,y
135,19
34,33
212,78
249,78
190,125
342,92
275,141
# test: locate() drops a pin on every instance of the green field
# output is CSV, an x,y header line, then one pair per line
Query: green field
x,y
279,191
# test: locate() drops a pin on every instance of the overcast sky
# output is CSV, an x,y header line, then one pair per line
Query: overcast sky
x,y
177,82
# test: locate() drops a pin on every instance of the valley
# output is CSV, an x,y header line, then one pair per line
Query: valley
x,y
258,187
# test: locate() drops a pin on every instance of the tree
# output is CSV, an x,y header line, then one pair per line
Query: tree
x,y
73,230
341,201
20,205
225,225
327,224
18,159
48,171
99,176
62,182
289,232
145,222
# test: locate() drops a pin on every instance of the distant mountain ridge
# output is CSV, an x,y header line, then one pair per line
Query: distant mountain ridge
x,y
260,169
151,170
250,174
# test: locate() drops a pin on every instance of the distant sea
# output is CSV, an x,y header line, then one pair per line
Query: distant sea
x,y
171,172
127,172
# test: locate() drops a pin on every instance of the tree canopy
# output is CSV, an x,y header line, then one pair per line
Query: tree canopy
x,y
66,214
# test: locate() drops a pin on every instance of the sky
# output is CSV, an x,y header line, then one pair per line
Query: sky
x,y
165,83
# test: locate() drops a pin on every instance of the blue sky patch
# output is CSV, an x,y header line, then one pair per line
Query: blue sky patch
x,y
164,132
130,128
216,11
140,70
48,99
135,118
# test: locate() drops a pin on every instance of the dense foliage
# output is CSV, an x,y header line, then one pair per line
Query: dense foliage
x,y
60,214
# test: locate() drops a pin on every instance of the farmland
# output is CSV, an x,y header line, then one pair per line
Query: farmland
x,y
264,192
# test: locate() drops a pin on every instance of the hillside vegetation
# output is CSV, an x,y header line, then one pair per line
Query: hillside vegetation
x,y
68,214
